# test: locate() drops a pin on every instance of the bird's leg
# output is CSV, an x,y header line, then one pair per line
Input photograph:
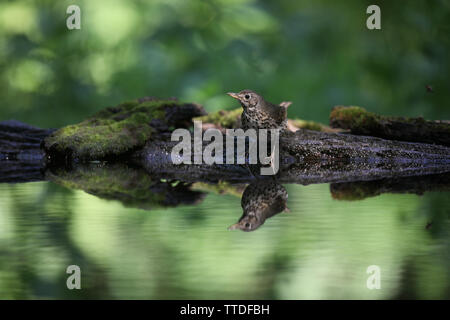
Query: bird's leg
x,y
271,158
247,166
247,157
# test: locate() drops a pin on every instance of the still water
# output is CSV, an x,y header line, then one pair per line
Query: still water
x,y
321,249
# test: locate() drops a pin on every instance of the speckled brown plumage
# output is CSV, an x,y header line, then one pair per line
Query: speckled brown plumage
x,y
259,113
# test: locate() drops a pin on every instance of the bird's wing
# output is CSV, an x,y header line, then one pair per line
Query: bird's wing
x,y
276,111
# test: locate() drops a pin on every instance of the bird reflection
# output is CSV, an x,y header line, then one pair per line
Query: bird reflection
x,y
260,201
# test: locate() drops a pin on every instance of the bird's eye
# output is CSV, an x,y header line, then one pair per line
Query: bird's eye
x,y
247,96
247,225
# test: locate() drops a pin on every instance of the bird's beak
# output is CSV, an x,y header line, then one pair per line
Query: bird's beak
x,y
233,95
234,226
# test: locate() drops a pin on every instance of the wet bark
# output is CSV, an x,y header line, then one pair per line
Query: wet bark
x,y
312,157
21,156
20,140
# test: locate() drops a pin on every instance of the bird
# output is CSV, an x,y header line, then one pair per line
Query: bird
x,y
259,113
260,201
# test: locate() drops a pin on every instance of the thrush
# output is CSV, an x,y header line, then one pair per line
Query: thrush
x,y
259,113
260,201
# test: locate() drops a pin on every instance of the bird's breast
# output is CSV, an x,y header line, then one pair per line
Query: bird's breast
x,y
261,120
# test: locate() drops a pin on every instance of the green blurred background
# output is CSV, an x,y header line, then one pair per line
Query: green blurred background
x,y
315,53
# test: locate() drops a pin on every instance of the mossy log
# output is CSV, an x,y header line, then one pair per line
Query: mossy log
x,y
361,122
140,131
119,130
134,140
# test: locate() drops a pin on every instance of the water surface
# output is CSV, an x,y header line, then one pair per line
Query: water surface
x,y
321,249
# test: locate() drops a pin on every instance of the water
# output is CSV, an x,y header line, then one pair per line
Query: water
x,y
321,249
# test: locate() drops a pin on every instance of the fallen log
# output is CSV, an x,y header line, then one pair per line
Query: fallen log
x,y
311,157
20,140
21,155
361,122
140,130
119,130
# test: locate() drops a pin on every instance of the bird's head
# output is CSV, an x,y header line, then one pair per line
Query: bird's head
x,y
249,222
247,98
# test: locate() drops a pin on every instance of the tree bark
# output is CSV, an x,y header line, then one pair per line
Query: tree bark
x,y
312,157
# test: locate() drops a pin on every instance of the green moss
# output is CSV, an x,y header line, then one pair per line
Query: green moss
x,y
112,131
353,117
223,118
310,125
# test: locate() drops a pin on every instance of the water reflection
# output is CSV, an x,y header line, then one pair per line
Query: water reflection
x,y
359,190
260,201
179,246
130,185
